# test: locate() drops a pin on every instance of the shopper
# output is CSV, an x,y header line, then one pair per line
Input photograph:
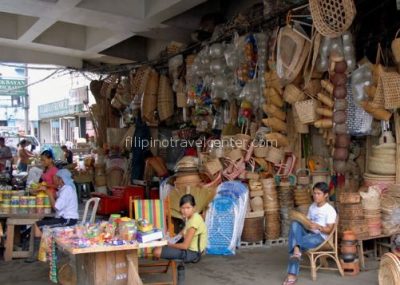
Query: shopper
x,y
65,206
323,218
68,155
5,153
24,155
49,172
194,237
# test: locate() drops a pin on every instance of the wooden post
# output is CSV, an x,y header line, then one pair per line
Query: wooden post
x,y
9,243
397,129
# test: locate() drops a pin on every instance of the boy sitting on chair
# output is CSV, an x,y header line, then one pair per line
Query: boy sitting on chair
x,y
323,217
65,206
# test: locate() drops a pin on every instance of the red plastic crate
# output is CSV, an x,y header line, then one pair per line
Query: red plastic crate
x,y
155,193
134,191
109,204
118,191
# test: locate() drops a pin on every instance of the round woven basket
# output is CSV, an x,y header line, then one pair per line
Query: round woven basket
x,y
381,165
332,18
389,270
275,155
253,229
292,94
306,111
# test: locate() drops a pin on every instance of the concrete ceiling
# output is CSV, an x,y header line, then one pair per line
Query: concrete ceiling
x,y
66,32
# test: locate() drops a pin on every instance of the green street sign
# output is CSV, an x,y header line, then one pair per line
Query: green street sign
x,y
8,87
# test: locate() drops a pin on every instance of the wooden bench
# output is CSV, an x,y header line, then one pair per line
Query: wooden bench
x,y
361,251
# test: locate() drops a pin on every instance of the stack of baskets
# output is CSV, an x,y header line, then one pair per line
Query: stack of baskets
x,y
302,198
165,103
382,160
371,202
286,201
271,209
352,214
388,205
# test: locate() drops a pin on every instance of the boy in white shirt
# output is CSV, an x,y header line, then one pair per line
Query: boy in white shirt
x,y
66,207
323,218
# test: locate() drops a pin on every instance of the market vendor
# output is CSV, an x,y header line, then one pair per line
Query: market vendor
x,y
68,155
194,235
5,152
323,218
24,155
49,172
65,206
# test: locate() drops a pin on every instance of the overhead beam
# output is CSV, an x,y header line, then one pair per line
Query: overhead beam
x,y
14,54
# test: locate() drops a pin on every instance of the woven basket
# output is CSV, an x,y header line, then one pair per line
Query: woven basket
x,y
306,110
301,218
149,99
292,94
277,139
274,111
253,229
260,151
139,80
331,18
389,270
349,198
299,126
272,97
165,103
275,155
382,166
275,124
213,166
396,48
391,89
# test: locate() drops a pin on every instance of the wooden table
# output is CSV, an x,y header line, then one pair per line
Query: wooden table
x,y
19,220
361,248
108,265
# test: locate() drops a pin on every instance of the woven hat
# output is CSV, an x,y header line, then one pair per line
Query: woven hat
x,y
332,17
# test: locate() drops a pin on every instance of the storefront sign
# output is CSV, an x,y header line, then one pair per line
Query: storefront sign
x,y
12,87
58,109
78,95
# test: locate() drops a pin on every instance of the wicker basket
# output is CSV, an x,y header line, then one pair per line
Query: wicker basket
x,y
306,110
275,124
299,126
275,155
389,270
149,99
139,80
274,111
165,104
391,89
332,17
292,94
260,151
396,48
349,198
253,229
301,218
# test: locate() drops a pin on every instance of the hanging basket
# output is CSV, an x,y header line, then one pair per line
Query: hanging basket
x,y
306,110
292,94
275,155
396,47
332,18
165,103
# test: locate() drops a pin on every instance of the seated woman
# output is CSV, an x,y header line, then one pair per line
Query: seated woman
x,y
194,235
323,217
65,206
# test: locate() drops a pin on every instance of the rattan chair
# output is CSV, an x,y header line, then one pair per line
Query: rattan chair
x,y
329,248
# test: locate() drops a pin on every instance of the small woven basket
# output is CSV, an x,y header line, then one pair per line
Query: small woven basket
x,y
389,270
275,155
292,94
332,17
301,218
396,48
253,229
306,110
299,126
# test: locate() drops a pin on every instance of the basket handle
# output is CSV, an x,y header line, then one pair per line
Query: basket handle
x,y
306,170
380,55
397,33
245,127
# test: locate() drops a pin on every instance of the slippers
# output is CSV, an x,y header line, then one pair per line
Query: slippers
x,y
296,256
289,281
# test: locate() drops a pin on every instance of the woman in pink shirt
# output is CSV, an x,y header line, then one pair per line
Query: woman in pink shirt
x,y
50,170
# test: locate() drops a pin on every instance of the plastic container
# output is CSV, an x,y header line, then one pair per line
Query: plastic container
x,y
23,210
23,201
7,202
39,209
32,201
14,209
6,209
41,198
7,195
47,210
14,201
